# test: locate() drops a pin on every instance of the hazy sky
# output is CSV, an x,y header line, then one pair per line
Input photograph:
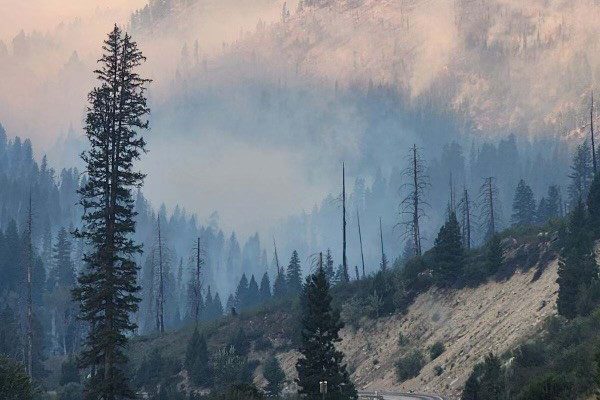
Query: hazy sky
x,y
43,15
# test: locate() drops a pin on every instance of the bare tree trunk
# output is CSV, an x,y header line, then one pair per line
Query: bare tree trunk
x,y
592,133
492,223
467,220
416,198
29,291
344,259
362,257
161,288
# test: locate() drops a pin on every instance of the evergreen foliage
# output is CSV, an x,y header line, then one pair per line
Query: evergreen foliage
x,y
581,173
197,360
329,272
107,287
486,382
241,293
319,359
265,288
274,376
294,274
69,372
524,209
253,294
577,266
280,286
593,206
494,254
14,382
448,252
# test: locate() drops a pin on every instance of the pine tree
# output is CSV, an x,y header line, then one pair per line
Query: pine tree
x,y
448,252
217,306
274,376
107,287
577,266
523,205
265,288
494,254
197,360
208,305
581,173
280,286
329,272
241,293
294,274
253,295
554,204
320,360
383,264
593,204
230,305
62,273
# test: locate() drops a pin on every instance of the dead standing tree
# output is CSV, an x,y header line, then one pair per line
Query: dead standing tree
x,y
489,209
362,256
346,276
465,211
413,205
195,290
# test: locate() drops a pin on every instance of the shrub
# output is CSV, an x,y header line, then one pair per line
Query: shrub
x,y
548,387
262,344
438,369
436,350
71,391
409,366
69,371
402,340
274,375
14,382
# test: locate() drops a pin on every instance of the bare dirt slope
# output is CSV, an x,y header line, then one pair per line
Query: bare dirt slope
x,y
471,322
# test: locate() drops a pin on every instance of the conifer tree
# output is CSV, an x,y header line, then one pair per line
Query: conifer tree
x,y
329,272
554,204
241,293
383,264
320,360
107,287
294,274
280,286
265,288
253,295
581,173
208,304
448,252
274,376
523,205
217,306
197,360
494,254
593,204
577,266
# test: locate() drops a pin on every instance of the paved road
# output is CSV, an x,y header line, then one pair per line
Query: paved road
x,y
398,396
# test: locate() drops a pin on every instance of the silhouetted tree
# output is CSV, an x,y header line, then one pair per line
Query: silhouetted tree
x,y
523,205
107,287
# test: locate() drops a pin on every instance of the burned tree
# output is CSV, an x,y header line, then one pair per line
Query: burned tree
x,y
362,256
488,205
345,276
195,285
465,211
412,206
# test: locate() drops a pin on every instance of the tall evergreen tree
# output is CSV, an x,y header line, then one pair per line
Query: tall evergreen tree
x,y
320,360
448,252
581,173
577,266
265,288
241,293
494,254
280,286
107,287
197,360
274,376
523,205
294,274
253,295
217,306
593,203
329,271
